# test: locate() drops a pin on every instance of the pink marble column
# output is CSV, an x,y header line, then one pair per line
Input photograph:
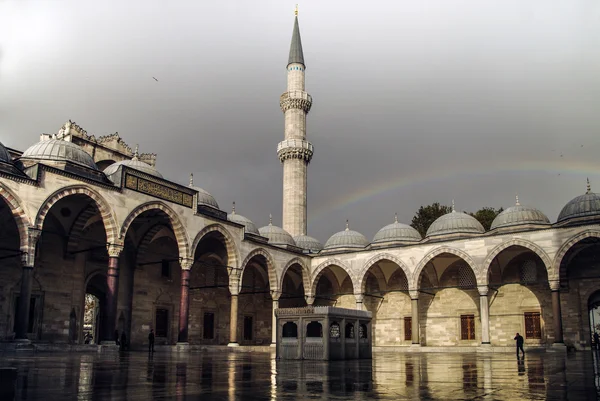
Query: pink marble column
x,y
184,306
112,291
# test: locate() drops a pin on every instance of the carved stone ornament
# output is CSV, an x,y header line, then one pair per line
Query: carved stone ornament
x,y
295,100
114,250
295,149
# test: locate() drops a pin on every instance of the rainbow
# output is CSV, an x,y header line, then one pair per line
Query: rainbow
x,y
580,169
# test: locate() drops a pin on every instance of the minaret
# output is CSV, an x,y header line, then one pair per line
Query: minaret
x,y
295,151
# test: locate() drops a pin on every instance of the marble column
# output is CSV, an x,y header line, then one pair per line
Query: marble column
x,y
414,298
556,312
484,314
28,262
360,298
112,290
233,321
184,302
275,296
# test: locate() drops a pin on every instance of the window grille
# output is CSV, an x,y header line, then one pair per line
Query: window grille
x,y
408,328
466,278
467,327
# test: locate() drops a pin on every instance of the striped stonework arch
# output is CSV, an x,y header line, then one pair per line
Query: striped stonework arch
x,y
178,228
75,235
305,272
378,258
270,267
233,256
148,236
438,251
554,272
21,219
321,268
513,242
110,225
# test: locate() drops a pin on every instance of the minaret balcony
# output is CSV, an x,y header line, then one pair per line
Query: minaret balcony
x,y
295,149
295,100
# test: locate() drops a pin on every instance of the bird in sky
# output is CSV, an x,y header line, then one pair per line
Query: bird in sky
x,y
155,79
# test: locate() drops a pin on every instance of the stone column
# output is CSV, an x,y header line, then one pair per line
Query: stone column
x,y
360,298
233,317
275,296
28,262
112,290
484,314
414,298
556,312
184,301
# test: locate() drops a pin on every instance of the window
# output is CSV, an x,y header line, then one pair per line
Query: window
x,y
162,322
349,330
533,328
209,326
408,328
334,330
290,330
314,329
165,270
248,328
467,327
362,331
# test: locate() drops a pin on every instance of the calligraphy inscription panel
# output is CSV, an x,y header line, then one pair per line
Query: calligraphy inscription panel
x,y
160,191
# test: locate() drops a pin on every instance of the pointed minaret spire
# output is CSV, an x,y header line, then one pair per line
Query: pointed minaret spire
x,y
453,210
233,208
270,219
395,217
347,225
296,54
191,179
589,187
517,200
136,155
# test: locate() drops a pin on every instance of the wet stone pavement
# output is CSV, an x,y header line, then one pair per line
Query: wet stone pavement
x,y
221,375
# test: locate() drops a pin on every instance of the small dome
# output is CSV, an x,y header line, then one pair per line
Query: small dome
x,y
4,155
204,197
308,243
59,150
397,232
347,239
246,222
518,215
276,235
455,223
134,164
586,205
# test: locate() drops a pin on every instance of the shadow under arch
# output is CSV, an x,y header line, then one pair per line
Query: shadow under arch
x,y
414,285
227,239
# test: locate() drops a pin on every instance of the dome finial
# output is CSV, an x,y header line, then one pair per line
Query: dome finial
x,y
395,217
270,219
296,10
233,208
453,210
347,225
191,179
136,154
517,200
589,187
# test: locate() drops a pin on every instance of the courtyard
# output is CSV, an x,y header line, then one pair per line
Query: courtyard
x,y
223,375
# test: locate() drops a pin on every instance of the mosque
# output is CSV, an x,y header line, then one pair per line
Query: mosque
x,y
95,239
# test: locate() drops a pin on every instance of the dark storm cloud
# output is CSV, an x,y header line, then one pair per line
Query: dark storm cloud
x,y
414,102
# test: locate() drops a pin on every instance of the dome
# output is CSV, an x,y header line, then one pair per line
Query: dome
x,y
346,239
519,215
308,243
246,222
455,223
397,232
586,205
276,235
204,197
4,155
134,164
59,150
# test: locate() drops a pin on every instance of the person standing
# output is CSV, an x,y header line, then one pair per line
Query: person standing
x,y
123,341
519,340
151,341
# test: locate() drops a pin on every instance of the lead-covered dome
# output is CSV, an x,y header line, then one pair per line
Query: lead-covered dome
x,y
276,235
397,232
586,205
134,164
519,215
204,197
455,223
59,150
246,222
308,243
346,239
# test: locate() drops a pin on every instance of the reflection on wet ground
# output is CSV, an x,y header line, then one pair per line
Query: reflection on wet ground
x,y
220,375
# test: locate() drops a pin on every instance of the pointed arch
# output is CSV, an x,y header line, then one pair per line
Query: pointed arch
x,y
233,255
270,267
305,272
21,218
178,228
554,270
507,244
110,225
378,258
438,251
320,269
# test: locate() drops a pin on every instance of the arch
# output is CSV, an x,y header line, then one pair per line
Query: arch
x,y
319,271
378,258
514,242
21,219
110,225
232,251
554,271
438,251
305,272
148,237
78,226
178,228
270,267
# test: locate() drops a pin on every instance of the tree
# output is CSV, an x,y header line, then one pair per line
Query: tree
x,y
486,216
427,215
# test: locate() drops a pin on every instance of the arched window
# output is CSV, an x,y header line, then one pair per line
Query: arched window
x,y
349,330
362,331
314,329
465,277
290,330
528,272
334,330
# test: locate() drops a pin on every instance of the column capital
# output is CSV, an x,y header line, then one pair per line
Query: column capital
x,y
186,264
414,294
275,295
483,290
310,299
359,297
114,250
554,285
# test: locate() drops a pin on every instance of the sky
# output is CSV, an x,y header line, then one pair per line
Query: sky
x,y
414,102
